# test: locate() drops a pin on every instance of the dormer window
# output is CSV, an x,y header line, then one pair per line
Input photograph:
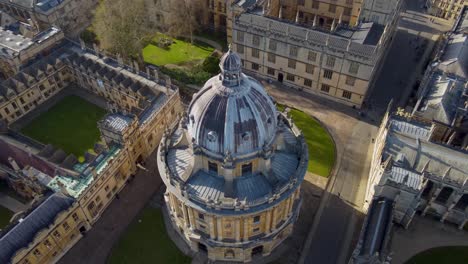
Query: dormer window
x,y
246,136
212,136
213,167
246,169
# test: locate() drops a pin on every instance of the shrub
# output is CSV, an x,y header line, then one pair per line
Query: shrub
x,y
211,65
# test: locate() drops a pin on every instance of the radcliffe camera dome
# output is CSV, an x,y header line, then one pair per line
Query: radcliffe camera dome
x,y
236,118
233,168
231,61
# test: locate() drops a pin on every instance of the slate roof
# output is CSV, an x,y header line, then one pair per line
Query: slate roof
x,y
116,122
418,155
238,119
454,60
375,233
40,218
361,40
442,100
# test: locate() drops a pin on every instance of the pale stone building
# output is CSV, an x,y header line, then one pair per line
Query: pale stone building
x,y
322,13
71,16
447,9
340,64
380,11
142,105
233,169
373,246
18,49
442,98
419,175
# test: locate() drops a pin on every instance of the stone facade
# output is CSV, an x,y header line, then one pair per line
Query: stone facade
x,y
69,15
419,175
332,64
19,49
142,105
447,9
233,173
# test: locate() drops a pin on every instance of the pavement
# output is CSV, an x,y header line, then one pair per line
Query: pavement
x,y
429,232
336,221
407,58
12,204
97,243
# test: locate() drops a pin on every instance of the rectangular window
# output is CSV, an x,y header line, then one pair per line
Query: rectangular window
x,y
332,8
201,216
256,40
310,68
75,217
347,11
353,67
240,49
315,4
350,80
213,167
56,234
271,71
308,82
255,66
255,53
291,64
312,56
247,169
346,94
272,45
293,51
325,88
37,253
66,226
240,36
290,77
256,219
328,74
256,229
272,57
47,244
331,61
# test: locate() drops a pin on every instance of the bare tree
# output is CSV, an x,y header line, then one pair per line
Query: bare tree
x,y
185,18
122,27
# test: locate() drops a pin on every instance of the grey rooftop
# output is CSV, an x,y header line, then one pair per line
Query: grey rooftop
x,y
24,232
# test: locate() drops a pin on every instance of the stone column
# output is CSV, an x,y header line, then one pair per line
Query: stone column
x,y
238,235
268,222
273,219
172,205
246,228
219,229
191,218
212,227
185,216
291,205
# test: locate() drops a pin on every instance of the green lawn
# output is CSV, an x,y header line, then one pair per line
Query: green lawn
x,y
178,52
441,255
319,141
70,125
146,241
5,216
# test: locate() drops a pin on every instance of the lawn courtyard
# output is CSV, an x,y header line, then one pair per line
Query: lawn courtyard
x,y
441,255
70,125
319,141
146,241
5,216
178,52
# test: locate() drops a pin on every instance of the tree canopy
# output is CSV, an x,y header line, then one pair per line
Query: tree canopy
x,y
122,27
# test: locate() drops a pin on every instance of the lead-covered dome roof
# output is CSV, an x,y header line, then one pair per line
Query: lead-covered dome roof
x,y
232,113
